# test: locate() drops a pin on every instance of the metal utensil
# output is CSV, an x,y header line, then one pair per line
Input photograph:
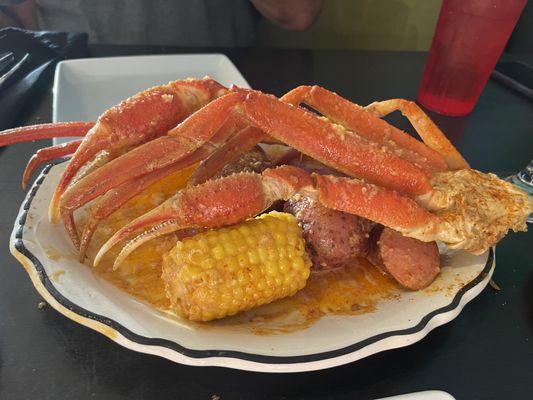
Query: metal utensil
x,y
4,78
6,59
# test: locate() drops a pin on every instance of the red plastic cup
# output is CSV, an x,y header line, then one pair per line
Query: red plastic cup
x,y
469,39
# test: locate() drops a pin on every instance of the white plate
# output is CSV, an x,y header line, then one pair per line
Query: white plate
x,y
427,395
85,88
75,291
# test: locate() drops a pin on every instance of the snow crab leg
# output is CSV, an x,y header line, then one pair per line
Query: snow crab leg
x,y
44,131
426,128
367,123
47,154
399,195
115,198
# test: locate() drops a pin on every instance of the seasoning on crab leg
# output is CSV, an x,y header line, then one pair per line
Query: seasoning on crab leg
x,y
476,210
355,118
333,145
229,200
136,120
426,128
47,154
328,143
375,203
471,210
465,208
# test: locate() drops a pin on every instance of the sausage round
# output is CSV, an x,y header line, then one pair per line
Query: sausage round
x,y
414,264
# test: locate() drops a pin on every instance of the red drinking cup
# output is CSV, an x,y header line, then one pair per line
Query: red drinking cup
x,y
469,39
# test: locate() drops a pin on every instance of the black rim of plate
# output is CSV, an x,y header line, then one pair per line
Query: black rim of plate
x,y
200,354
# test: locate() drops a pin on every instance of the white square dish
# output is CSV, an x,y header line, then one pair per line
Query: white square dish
x,y
85,88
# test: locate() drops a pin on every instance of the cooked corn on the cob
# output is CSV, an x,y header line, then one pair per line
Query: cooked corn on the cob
x,y
222,272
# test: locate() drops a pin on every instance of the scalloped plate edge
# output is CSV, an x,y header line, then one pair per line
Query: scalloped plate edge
x,y
235,362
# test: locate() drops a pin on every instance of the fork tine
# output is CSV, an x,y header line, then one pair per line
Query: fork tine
x,y
13,69
5,60
5,54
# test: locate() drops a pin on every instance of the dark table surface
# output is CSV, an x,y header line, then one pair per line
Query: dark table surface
x,y
485,353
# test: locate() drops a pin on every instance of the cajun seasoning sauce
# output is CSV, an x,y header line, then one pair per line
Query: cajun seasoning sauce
x,y
350,290
140,274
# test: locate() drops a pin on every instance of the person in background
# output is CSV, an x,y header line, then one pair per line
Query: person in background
x,y
160,22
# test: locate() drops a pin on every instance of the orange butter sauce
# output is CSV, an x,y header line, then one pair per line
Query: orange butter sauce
x,y
351,290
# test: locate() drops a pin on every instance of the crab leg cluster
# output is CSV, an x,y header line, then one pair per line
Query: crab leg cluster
x,y
390,177
200,135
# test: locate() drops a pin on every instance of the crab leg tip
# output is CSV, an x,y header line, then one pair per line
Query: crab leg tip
x,y
159,230
157,216
103,250
47,154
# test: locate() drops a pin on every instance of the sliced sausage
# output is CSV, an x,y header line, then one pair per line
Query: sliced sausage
x,y
414,264
332,237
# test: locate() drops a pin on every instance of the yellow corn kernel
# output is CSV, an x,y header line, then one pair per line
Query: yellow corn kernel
x,y
242,259
218,252
239,269
253,257
230,248
263,254
281,237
